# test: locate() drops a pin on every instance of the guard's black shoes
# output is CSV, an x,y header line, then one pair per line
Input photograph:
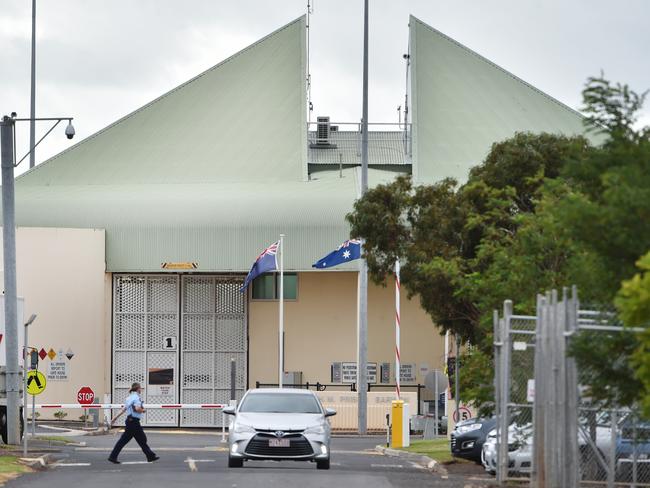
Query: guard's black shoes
x,y
155,458
114,461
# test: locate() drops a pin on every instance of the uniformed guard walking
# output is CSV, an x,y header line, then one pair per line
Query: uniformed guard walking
x,y
134,409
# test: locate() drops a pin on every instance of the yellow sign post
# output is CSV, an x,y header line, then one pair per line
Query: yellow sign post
x,y
36,382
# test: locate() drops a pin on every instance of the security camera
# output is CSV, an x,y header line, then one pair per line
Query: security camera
x,y
69,130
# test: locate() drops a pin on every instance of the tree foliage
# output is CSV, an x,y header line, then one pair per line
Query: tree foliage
x,y
633,303
541,211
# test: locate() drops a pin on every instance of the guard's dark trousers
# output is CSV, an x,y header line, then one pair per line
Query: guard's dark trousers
x,y
131,430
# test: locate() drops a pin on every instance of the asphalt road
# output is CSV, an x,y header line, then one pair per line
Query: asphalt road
x,y
200,459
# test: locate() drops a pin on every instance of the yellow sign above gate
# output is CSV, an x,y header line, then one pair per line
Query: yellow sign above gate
x,y
179,265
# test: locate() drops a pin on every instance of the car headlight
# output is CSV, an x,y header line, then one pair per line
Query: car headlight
x,y
463,429
243,428
316,429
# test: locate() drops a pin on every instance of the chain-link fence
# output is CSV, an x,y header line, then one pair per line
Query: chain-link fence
x,y
565,415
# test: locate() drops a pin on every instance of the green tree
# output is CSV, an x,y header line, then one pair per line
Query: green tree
x,y
633,303
542,211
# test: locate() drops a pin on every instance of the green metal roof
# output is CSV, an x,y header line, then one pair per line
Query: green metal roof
x,y
243,119
221,226
462,103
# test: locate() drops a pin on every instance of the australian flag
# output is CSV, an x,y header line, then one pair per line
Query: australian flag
x,y
267,261
347,251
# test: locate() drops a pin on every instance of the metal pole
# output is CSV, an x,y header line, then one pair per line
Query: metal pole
x,y
497,374
9,252
398,362
457,379
502,468
32,122
362,378
281,307
33,415
436,402
25,359
233,378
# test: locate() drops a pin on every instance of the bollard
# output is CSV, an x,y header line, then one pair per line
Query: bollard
x,y
387,430
233,378
223,428
95,413
400,436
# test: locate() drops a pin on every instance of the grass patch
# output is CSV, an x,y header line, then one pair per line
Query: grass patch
x,y
53,438
10,465
437,449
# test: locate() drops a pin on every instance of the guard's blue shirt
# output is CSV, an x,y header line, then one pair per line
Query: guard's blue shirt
x,y
133,400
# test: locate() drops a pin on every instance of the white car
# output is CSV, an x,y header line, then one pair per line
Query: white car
x,y
520,449
279,424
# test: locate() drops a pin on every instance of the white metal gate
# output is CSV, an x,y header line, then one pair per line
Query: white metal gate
x,y
161,321
145,332
214,331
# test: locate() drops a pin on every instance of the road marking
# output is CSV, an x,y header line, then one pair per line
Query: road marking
x,y
387,466
135,462
416,465
362,453
167,449
70,464
201,460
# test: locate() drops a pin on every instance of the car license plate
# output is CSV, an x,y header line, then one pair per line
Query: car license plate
x,y
279,443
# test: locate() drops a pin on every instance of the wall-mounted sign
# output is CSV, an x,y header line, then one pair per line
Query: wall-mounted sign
x,y
160,382
58,370
169,343
349,372
179,265
407,372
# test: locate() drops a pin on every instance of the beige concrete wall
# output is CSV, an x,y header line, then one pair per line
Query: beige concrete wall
x,y
321,328
61,275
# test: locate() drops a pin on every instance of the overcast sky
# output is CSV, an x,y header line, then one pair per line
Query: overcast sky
x,y
98,60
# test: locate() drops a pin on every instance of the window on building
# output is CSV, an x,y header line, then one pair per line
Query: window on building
x,y
267,286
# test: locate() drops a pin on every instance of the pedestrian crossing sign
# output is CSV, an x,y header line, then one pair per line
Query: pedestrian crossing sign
x,y
35,382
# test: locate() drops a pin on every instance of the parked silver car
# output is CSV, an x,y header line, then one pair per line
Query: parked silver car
x,y
279,424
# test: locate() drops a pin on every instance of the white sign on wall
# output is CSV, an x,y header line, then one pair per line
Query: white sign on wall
x,y
349,373
408,372
57,370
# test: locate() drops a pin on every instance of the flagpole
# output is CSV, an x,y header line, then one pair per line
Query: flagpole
x,y
281,318
398,362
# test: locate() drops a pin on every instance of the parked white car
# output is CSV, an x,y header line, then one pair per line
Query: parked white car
x,y
520,449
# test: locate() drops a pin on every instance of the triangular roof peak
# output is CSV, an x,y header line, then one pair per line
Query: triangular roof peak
x,y
201,130
463,103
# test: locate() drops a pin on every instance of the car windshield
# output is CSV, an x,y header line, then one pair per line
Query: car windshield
x,y
279,403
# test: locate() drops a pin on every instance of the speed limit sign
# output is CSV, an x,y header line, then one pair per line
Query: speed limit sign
x,y
465,414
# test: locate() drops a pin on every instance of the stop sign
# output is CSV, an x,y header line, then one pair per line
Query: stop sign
x,y
85,395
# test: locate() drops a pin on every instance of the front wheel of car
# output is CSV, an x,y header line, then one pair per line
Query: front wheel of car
x,y
323,463
235,462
